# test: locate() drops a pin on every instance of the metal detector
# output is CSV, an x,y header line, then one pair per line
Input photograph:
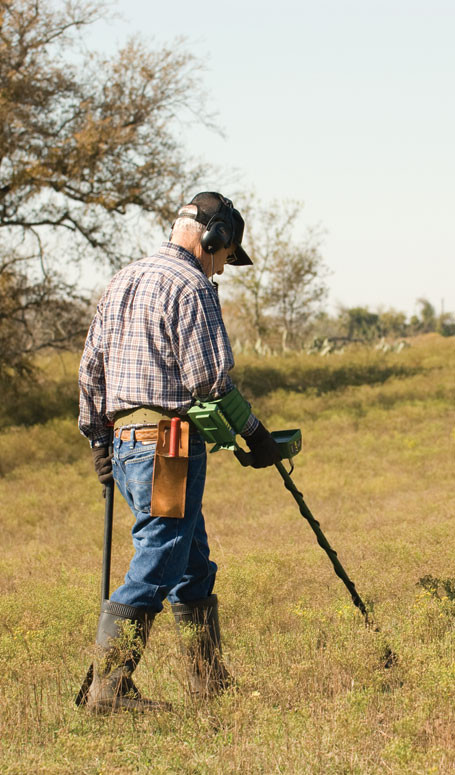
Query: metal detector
x,y
213,420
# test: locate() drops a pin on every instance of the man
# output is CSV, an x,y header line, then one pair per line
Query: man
x,y
156,344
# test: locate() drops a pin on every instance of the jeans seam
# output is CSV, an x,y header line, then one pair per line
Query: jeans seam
x,y
174,541
206,559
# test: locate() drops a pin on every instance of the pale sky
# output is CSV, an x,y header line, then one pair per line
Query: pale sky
x,y
347,105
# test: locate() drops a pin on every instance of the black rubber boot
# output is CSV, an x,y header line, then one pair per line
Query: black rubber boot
x,y
120,641
199,629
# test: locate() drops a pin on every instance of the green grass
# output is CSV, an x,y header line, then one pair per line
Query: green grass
x,y
313,696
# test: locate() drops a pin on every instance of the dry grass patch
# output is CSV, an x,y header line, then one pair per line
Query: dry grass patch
x,y
313,697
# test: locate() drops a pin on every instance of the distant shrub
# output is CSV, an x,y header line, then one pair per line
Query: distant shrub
x,y
47,391
37,401
299,374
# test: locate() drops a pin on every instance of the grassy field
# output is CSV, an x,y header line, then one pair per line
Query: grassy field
x,y
313,695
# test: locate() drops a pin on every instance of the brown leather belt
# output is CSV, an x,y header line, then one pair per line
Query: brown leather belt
x,y
140,434
144,415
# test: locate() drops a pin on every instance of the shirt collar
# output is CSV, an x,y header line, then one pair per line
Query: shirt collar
x,y
171,250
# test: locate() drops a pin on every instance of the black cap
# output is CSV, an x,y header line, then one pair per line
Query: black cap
x,y
210,204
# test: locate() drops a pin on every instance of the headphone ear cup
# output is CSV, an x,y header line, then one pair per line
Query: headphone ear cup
x,y
215,237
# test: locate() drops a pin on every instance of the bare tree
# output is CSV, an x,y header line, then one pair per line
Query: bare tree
x,y
297,285
282,289
87,146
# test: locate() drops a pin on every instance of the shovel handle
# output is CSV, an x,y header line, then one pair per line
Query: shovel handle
x,y
108,522
81,698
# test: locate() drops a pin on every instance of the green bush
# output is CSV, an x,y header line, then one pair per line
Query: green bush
x,y
48,391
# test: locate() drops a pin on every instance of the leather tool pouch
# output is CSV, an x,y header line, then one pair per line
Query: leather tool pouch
x,y
170,473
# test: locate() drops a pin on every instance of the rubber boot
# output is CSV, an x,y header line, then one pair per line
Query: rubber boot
x,y
120,641
199,629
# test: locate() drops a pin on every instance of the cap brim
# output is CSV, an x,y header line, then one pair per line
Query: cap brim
x,y
241,258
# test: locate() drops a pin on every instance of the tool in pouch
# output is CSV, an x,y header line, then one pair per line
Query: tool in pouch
x,y
219,421
170,470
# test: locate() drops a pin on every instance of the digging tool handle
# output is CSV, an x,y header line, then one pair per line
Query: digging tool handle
x,y
174,439
108,521
81,698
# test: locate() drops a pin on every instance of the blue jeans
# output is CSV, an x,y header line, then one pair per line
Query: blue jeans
x,y
171,555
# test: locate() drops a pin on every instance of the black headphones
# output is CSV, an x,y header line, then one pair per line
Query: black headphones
x,y
219,232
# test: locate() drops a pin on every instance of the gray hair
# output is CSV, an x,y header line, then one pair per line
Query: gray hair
x,y
188,225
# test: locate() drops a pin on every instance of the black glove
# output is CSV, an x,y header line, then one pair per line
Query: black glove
x,y
102,460
264,449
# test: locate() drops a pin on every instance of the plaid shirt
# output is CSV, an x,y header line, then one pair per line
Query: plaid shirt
x,y
157,339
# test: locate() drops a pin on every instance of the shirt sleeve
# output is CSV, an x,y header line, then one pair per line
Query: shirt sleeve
x,y
203,349
250,425
92,386
201,346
